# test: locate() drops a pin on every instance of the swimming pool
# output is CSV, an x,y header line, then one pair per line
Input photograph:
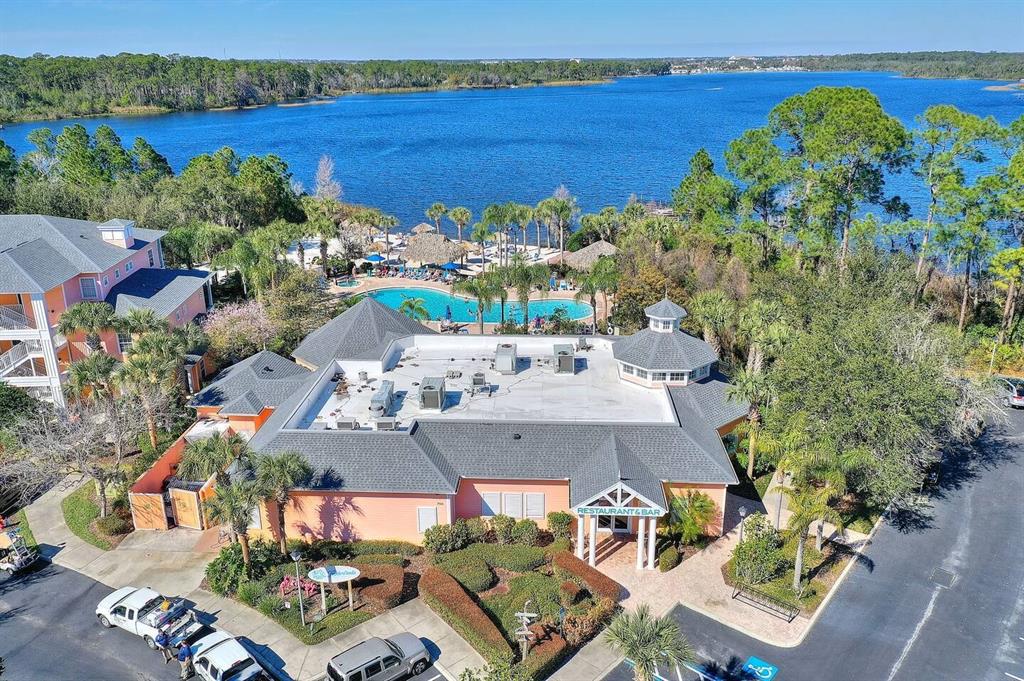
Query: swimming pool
x,y
464,309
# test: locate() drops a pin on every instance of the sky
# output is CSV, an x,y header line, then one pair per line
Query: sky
x,y
480,29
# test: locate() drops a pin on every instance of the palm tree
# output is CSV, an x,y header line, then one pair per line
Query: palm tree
x,y
648,642
277,475
482,234
436,212
387,223
542,212
712,310
414,308
523,277
484,289
760,325
496,215
150,370
140,321
93,374
521,216
586,287
752,387
605,276
689,514
89,318
211,456
233,505
501,279
806,505
558,210
461,216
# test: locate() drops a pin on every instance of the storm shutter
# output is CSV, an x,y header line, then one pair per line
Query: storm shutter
x,y
534,505
490,504
513,505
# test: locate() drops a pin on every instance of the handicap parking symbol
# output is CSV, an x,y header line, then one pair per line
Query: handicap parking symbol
x,y
765,671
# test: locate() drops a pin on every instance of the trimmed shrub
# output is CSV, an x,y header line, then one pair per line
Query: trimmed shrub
x,y
668,559
226,572
446,538
471,572
250,593
401,548
115,524
546,656
558,546
580,627
477,530
560,525
525,532
450,601
759,558
569,592
379,559
515,558
503,527
383,586
597,583
269,605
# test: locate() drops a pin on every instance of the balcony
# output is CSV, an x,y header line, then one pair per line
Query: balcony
x,y
12,318
23,360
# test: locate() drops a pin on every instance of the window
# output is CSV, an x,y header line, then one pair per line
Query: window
x,y
256,521
88,288
129,266
512,504
214,672
616,523
150,254
534,505
373,669
106,280
391,661
117,274
627,369
204,663
677,376
124,342
641,373
658,376
119,612
355,675
426,517
177,314
490,504
667,324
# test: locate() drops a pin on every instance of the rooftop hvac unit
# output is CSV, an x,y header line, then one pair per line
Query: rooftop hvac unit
x,y
363,377
505,359
432,393
388,423
564,360
346,423
381,400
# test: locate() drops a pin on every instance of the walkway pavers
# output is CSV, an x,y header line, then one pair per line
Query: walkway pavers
x,y
169,562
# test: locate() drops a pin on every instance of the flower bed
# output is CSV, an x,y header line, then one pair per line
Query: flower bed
x,y
455,606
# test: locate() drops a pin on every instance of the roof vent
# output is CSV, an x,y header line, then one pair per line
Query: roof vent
x,y
517,436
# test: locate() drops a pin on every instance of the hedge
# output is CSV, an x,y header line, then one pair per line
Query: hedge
x,y
472,565
668,559
471,572
546,656
455,606
392,546
385,590
599,584
379,559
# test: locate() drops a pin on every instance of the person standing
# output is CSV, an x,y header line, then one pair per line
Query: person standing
x,y
185,660
163,642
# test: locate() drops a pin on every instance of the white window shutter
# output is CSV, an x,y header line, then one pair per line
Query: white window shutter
x,y
513,504
534,505
490,504
426,517
256,520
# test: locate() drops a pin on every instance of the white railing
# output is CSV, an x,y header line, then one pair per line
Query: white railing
x,y
18,354
12,318
59,339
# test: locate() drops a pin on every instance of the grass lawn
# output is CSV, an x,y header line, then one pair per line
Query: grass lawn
x,y
541,590
860,516
21,520
339,619
80,510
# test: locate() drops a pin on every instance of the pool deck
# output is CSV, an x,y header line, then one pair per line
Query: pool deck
x,y
367,284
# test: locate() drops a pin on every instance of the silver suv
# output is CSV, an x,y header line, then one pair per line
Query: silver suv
x,y
380,659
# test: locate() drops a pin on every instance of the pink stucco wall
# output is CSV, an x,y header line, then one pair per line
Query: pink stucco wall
x,y
717,494
468,498
346,517
73,290
195,305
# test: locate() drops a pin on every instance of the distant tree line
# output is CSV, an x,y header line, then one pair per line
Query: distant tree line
x,y
42,86
981,65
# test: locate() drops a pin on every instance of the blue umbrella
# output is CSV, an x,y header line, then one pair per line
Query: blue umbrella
x,y
448,312
449,266
376,257
552,281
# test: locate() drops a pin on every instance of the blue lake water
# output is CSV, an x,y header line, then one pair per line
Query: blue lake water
x,y
464,309
604,142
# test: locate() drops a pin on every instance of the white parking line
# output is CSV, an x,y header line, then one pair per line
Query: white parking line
x,y
1016,678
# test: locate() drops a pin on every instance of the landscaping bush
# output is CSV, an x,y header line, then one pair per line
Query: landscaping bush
x,y
338,621
250,593
515,558
393,546
525,532
269,605
379,559
560,525
115,524
383,585
546,656
446,538
503,527
570,591
329,549
226,572
543,592
668,559
476,529
580,627
759,558
597,583
471,572
558,546
456,607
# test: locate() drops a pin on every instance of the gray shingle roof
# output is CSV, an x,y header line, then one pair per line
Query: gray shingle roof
x,y
161,291
362,332
34,267
613,462
664,351
264,380
665,309
77,242
708,401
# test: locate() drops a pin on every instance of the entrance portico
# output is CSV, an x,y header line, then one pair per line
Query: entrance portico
x,y
618,509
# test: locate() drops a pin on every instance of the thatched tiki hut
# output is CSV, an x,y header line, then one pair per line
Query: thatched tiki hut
x,y
585,258
422,228
432,248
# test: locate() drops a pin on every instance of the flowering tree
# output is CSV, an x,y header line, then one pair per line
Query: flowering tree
x,y
238,330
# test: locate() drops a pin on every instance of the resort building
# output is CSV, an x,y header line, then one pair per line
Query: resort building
x,y
48,264
406,428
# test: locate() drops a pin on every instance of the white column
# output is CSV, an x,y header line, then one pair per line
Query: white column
x,y
651,529
639,543
593,541
579,537
49,353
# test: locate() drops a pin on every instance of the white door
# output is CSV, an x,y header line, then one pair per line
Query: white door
x,y
426,517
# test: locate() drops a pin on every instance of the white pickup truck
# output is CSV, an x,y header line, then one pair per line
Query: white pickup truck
x,y
220,657
145,613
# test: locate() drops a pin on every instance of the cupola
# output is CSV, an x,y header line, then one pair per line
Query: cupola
x,y
664,316
117,232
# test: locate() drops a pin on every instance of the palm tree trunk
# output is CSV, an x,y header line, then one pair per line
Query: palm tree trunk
x,y
537,222
752,447
593,305
798,565
480,315
820,539
281,529
965,298
150,421
1008,310
243,539
300,250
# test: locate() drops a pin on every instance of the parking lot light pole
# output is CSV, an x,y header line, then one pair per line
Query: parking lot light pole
x,y
297,556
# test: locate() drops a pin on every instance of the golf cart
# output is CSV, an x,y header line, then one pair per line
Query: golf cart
x,y
15,555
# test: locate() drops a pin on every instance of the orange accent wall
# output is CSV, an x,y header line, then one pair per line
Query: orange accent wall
x,y
469,498
54,301
250,423
152,481
716,492
348,517
731,426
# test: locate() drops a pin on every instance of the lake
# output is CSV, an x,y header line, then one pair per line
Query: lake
x,y
474,147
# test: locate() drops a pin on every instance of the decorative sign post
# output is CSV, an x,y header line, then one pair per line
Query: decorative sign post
x,y
334,574
523,633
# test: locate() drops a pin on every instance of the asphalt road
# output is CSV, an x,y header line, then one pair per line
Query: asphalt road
x,y
48,630
890,619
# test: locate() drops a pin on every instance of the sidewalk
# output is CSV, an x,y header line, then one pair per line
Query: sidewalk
x,y
169,563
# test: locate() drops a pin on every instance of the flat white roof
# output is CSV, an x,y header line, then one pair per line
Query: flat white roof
x,y
534,393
